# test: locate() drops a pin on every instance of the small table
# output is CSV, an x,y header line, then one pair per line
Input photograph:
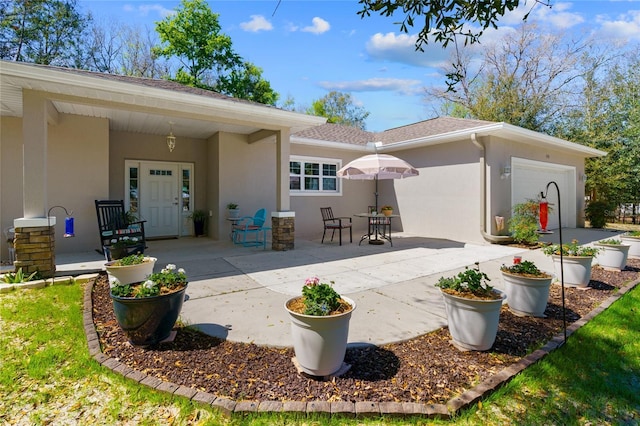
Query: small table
x,y
377,227
234,222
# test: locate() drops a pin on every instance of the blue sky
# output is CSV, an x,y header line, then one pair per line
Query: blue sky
x,y
308,48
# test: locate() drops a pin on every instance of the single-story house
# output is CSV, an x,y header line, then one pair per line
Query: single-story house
x,y
68,137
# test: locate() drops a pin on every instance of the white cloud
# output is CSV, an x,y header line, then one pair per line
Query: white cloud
x,y
559,16
257,23
405,87
624,27
401,48
318,26
147,9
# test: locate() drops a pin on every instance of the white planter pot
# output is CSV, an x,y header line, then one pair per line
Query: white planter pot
x,y
131,273
612,256
234,213
320,343
577,269
634,245
473,323
527,296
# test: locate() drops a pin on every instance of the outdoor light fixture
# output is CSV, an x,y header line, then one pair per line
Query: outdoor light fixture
x,y
506,172
583,178
171,140
544,206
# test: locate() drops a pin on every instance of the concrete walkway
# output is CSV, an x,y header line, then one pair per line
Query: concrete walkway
x,y
238,293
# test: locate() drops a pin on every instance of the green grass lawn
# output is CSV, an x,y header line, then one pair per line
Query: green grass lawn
x,y
48,377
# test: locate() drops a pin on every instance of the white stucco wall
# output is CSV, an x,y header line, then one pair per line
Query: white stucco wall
x,y
78,169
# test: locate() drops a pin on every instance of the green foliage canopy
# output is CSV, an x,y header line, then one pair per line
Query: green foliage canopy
x,y
339,108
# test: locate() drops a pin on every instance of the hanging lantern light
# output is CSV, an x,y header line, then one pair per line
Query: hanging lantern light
x,y
171,140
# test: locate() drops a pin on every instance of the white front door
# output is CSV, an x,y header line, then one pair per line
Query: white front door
x,y
159,199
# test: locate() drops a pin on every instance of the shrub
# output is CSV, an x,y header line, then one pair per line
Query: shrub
x,y
596,213
523,224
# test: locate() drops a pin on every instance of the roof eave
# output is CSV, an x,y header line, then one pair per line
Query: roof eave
x,y
137,94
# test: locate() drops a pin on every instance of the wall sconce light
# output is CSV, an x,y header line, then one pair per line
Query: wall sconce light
x,y
171,140
583,178
506,172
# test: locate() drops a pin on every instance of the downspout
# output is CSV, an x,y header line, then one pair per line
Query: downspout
x,y
493,239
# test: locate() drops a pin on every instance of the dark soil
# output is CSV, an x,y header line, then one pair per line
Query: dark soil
x,y
427,369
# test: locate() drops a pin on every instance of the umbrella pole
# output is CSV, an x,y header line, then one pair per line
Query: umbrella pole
x,y
376,193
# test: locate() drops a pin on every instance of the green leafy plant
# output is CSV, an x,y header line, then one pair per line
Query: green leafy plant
x,y
124,242
132,259
386,207
523,224
633,234
611,242
571,249
526,268
198,216
596,213
232,206
19,277
468,282
168,280
319,298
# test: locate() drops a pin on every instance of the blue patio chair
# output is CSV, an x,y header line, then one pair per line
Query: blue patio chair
x,y
251,225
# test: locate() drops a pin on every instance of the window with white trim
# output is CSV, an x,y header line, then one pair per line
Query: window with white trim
x,y
314,175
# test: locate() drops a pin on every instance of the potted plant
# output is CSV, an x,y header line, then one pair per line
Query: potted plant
x,y
147,309
386,210
130,269
122,247
613,254
527,288
576,262
473,309
523,224
633,239
233,210
319,327
199,218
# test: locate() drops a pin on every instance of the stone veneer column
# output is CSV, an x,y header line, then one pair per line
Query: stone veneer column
x,y
35,246
282,230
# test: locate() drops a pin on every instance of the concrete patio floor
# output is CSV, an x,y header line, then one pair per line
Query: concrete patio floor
x,y
238,293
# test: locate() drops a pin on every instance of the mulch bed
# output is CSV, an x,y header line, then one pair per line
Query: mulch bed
x,y
426,369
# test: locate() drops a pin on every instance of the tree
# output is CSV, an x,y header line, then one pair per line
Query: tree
x,y
444,19
528,80
246,82
608,118
339,108
193,35
41,31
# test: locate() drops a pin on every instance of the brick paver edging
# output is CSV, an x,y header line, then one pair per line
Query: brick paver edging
x,y
341,408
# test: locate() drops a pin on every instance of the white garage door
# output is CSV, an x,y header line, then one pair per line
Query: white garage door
x,y
529,178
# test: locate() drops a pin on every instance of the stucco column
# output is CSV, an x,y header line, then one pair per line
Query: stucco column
x,y
35,233
283,220
34,170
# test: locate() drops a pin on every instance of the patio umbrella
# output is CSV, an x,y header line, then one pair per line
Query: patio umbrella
x,y
377,166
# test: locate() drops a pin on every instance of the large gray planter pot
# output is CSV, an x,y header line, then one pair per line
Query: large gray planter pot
x,y
148,320
473,323
577,269
634,245
320,342
527,296
612,256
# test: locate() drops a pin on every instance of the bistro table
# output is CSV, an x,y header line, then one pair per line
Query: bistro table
x,y
234,222
378,229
